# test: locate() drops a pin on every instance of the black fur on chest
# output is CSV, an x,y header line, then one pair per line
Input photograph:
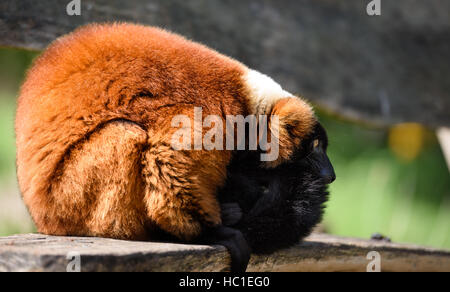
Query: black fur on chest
x,y
279,206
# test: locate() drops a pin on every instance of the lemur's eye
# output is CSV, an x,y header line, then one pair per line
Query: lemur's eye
x,y
316,143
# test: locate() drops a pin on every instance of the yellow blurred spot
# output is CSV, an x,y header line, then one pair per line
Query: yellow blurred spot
x,y
407,140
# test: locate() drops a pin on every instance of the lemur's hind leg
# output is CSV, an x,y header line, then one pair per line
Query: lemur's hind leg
x,y
180,195
98,189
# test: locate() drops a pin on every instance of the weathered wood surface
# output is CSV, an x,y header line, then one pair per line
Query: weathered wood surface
x,y
34,252
380,69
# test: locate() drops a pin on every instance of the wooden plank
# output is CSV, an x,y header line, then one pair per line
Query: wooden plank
x,y
324,253
380,69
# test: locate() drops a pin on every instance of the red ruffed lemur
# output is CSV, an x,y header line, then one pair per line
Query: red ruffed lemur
x,y
94,152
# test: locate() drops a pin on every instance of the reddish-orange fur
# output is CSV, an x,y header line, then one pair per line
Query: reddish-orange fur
x,y
295,122
93,133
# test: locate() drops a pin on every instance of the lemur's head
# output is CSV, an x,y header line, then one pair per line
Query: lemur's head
x,y
313,155
292,122
303,140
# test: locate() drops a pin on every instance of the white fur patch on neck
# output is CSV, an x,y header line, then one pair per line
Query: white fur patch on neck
x,y
264,92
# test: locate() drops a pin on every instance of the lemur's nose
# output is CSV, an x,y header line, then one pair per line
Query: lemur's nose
x,y
328,175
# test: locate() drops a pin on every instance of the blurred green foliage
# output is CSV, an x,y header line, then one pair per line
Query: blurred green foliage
x,y
13,216
377,192
374,190
12,70
7,151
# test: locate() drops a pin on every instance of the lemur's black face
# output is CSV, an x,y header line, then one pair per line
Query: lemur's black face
x,y
313,155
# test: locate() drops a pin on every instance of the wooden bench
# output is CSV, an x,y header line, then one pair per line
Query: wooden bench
x,y
323,253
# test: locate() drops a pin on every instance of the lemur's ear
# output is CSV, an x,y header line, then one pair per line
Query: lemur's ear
x,y
296,120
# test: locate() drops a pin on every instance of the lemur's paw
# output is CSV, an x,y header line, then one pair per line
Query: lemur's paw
x,y
236,244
